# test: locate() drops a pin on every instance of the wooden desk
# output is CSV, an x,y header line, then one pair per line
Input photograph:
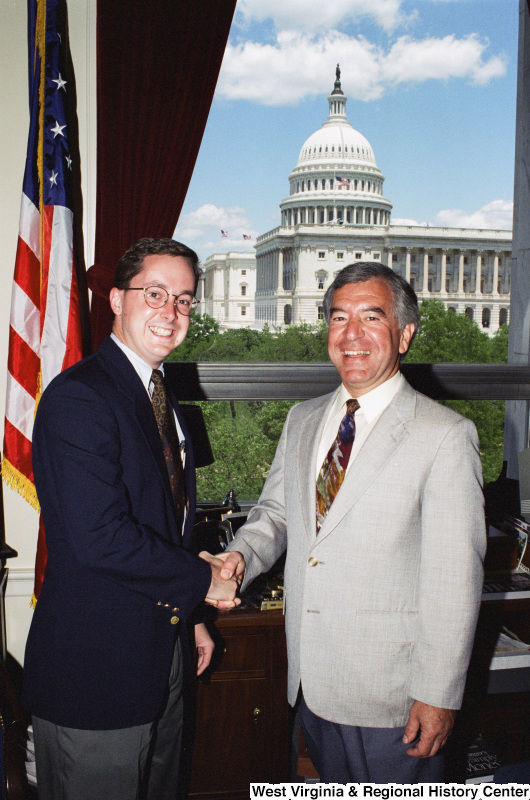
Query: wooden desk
x,y
242,727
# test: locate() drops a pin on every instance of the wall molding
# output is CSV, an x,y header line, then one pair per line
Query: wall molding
x,y
20,582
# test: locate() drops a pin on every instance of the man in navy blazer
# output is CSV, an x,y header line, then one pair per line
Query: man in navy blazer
x,y
108,645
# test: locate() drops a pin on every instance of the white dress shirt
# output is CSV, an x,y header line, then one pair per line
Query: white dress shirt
x,y
372,404
144,373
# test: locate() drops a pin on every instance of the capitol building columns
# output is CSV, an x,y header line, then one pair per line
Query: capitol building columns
x,y
478,274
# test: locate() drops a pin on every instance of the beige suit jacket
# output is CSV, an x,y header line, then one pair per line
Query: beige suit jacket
x,y
381,607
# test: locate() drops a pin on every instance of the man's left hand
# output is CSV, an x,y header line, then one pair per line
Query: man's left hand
x,y
204,645
433,726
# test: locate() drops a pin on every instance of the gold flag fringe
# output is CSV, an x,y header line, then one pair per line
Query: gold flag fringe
x,y
19,483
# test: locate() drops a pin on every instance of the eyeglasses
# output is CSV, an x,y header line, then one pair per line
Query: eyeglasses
x,y
157,297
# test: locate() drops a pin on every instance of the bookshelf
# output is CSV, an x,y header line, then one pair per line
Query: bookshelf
x,y
492,729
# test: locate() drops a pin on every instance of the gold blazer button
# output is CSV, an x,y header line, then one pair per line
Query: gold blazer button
x,y
313,561
174,620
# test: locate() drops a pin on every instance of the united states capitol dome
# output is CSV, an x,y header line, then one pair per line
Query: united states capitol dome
x,y
336,178
337,139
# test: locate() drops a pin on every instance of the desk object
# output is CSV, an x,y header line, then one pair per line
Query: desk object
x,y
242,718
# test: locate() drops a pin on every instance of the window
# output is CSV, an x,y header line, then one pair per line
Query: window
x,y
503,316
376,256
358,256
486,315
469,312
321,254
395,258
413,258
320,282
320,312
287,314
243,311
243,272
340,255
431,259
243,290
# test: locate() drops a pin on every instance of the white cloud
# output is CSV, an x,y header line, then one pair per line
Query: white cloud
x,y
497,215
298,65
201,229
440,59
310,15
408,223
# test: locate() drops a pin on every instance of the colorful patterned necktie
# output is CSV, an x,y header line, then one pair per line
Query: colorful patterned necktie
x,y
170,444
333,469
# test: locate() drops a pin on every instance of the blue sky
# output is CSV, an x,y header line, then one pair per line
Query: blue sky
x,y
430,83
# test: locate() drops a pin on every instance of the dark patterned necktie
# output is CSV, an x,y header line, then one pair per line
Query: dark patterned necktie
x,y
333,468
170,444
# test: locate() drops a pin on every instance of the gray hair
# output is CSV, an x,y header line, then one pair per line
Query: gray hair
x,y
405,302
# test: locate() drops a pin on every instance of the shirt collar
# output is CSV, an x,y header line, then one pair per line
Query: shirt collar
x,y
375,401
142,368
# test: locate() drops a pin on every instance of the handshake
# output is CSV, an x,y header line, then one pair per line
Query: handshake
x,y
227,574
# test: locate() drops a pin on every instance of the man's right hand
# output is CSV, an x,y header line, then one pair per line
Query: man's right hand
x,y
234,566
222,591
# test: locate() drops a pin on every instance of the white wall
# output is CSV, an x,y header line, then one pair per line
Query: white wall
x,y
21,521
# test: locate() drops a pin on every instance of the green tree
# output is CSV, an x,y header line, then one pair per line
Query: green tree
x,y
243,436
445,336
202,332
499,346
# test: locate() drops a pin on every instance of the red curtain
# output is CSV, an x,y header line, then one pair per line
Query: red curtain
x,y
157,67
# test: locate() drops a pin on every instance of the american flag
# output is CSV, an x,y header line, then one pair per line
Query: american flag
x,y
224,234
342,181
45,325
247,236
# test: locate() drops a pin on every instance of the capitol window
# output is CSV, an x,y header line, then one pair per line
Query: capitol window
x,y
320,312
321,254
340,255
358,256
243,311
376,256
320,282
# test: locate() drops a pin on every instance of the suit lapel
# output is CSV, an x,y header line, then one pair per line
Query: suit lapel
x,y
308,442
386,437
129,384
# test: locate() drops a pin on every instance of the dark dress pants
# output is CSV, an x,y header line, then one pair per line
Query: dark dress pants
x,y
353,754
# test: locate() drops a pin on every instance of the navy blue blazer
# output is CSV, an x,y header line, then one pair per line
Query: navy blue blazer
x,y
101,641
